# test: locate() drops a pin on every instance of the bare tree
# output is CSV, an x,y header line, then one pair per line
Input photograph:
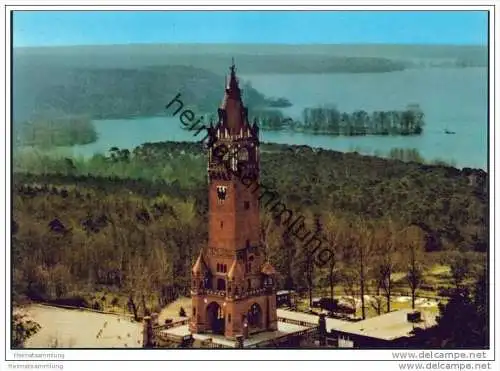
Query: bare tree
x,y
309,271
385,245
333,273
349,278
376,303
414,274
334,234
384,271
133,307
362,279
364,244
145,309
352,264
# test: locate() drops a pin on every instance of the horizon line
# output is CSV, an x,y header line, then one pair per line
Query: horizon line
x,y
251,44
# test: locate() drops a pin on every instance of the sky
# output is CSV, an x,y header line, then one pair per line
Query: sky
x,y
54,28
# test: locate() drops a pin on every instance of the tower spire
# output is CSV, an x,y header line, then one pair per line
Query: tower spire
x,y
232,87
232,105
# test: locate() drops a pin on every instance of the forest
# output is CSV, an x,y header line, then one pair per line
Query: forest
x,y
130,223
329,120
55,130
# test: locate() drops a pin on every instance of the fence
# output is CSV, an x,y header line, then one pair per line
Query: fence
x,y
209,343
311,330
306,334
124,314
297,322
166,326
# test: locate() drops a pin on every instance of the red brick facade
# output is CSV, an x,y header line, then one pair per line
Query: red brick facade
x,y
232,285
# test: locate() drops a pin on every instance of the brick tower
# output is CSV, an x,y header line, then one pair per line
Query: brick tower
x,y
232,284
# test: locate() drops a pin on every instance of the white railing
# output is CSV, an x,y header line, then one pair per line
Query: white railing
x,y
216,292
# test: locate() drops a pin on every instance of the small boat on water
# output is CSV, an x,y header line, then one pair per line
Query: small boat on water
x,y
446,131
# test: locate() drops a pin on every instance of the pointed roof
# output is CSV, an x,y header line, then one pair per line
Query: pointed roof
x,y
232,103
200,267
236,270
232,87
268,269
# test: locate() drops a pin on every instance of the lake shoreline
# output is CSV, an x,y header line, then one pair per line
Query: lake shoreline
x,y
439,92
69,153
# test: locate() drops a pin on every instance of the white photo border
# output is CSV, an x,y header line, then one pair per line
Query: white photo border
x,y
79,355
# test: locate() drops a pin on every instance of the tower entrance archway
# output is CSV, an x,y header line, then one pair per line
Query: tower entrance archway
x,y
215,318
254,316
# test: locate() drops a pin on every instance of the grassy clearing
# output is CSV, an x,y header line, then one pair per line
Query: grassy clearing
x,y
66,328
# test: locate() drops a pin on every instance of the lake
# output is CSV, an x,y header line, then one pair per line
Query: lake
x,y
454,99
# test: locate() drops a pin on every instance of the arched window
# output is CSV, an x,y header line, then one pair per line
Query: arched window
x,y
225,268
207,281
254,315
249,281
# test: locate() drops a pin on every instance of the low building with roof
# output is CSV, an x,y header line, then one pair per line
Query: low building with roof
x,y
389,330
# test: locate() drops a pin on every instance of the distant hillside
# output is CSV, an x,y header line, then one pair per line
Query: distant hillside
x,y
262,58
116,81
101,93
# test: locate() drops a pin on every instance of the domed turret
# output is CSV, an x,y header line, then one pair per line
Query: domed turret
x,y
268,269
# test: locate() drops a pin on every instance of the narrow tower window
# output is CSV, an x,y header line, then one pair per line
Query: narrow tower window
x,y
246,205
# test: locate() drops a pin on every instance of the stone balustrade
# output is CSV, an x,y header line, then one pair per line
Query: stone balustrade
x,y
244,294
221,293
